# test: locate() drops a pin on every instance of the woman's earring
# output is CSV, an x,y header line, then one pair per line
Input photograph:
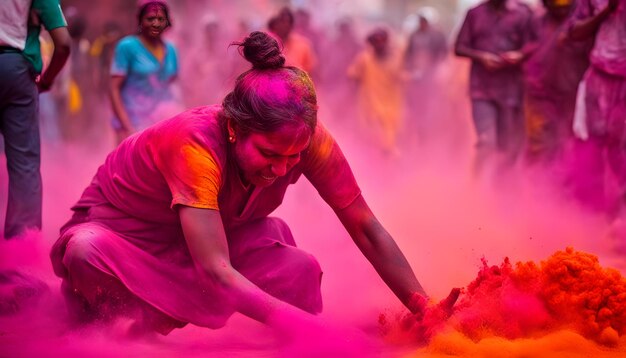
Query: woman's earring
x,y
231,138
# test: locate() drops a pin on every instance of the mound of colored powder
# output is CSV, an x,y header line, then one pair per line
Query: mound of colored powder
x,y
561,344
569,291
496,304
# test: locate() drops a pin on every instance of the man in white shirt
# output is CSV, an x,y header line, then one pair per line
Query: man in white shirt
x,y
20,68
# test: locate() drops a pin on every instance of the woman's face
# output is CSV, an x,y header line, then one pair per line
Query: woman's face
x,y
153,22
263,157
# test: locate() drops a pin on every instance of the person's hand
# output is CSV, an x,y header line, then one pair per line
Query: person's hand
x,y
512,57
425,319
327,341
491,61
312,336
42,84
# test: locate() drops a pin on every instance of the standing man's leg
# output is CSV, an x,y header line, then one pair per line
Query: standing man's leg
x,y
20,128
484,116
543,134
510,133
535,125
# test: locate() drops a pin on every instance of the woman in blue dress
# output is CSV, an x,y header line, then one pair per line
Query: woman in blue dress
x,y
143,71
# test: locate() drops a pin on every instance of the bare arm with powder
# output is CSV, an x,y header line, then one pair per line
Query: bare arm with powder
x,y
384,254
206,240
325,166
117,105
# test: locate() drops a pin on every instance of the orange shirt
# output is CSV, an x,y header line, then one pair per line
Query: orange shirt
x,y
186,160
299,53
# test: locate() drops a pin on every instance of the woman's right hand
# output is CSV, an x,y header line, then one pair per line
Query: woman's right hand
x,y
302,332
309,335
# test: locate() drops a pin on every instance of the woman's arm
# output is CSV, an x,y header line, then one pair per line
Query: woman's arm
x,y
587,28
117,105
308,334
381,251
206,240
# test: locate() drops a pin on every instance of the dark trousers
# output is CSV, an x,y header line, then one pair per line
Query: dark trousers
x,y
499,128
20,128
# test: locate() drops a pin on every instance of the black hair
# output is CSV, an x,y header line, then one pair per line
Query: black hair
x,y
286,13
161,5
252,107
261,50
379,31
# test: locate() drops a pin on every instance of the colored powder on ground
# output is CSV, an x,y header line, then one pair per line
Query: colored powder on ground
x,y
561,343
569,299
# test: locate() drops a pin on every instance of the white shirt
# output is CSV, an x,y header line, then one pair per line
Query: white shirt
x,y
14,22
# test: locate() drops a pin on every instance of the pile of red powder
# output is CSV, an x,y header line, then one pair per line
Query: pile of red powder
x,y
568,291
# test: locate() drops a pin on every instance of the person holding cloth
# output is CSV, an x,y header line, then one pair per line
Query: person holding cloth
x,y
603,111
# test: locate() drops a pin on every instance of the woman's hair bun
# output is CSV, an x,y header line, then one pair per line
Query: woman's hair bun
x,y
262,51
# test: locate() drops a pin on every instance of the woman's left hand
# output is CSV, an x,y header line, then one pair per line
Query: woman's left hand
x,y
425,319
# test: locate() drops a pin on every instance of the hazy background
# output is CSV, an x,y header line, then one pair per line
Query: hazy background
x,y
443,216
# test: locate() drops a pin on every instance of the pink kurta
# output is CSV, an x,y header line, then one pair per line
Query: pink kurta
x,y
126,223
604,111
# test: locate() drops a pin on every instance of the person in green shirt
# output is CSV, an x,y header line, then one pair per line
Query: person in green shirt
x,y
22,80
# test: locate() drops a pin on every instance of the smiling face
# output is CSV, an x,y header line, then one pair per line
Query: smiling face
x,y
263,157
153,22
